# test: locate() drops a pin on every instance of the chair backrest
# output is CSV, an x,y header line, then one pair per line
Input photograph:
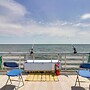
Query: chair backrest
x,y
11,64
85,65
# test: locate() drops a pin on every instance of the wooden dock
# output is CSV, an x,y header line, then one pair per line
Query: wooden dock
x,y
66,82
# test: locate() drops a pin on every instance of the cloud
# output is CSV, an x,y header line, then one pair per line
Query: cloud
x,y
10,25
14,7
81,25
30,28
85,16
33,29
11,10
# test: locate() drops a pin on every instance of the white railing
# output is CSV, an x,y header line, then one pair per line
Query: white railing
x,y
69,61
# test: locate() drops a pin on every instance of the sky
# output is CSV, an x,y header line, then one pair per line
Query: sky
x,y
44,21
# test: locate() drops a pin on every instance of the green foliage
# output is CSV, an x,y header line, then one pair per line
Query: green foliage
x,y
0,61
89,58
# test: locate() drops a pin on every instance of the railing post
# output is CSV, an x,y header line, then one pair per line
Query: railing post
x,y
19,61
65,61
51,57
33,57
25,57
83,58
58,57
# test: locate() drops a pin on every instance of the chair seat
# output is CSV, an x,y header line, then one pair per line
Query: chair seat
x,y
14,72
84,73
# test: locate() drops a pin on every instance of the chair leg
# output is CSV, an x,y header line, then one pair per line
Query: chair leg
x,y
19,82
8,80
77,80
20,79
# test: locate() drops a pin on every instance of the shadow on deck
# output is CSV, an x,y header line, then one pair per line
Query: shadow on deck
x,y
8,87
77,88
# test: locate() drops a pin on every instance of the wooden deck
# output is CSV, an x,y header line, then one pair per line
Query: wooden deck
x,y
66,82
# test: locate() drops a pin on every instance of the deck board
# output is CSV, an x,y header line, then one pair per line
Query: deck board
x,y
66,82
44,77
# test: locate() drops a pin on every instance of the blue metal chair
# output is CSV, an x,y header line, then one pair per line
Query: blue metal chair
x,y
83,72
14,72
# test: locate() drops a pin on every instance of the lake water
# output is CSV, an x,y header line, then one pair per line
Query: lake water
x,y
44,47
